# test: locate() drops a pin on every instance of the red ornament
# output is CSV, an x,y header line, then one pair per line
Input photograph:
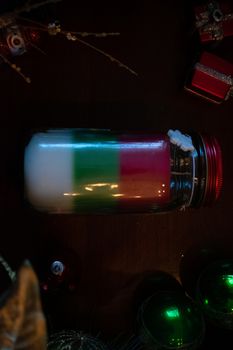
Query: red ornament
x,y
15,40
211,78
59,275
214,21
58,269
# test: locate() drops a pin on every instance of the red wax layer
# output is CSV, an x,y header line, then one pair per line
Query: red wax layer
x,y
144,171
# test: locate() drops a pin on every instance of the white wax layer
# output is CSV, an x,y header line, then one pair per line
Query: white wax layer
x,y
48,171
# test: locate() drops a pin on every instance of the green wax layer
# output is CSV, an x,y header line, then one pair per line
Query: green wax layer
x,y
95,171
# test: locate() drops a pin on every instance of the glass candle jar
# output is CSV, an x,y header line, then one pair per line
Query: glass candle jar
x,y
101,171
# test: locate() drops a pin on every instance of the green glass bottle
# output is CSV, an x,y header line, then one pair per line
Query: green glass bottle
x,y
153,281
215,293
198,256
200,274
168,319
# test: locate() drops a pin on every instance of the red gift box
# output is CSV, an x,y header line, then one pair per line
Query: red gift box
x,y
211,78
214,20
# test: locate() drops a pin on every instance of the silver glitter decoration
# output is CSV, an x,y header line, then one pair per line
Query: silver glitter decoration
x,y
74,340
210,21
227,79
214,29
57,268
10,272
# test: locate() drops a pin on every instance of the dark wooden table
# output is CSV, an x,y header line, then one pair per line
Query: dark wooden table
x,y
72,86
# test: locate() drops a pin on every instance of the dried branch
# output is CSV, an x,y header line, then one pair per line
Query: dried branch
x,y
8,269
28,2
69,36
8,18
15,68
29,7
83,34
96,35
39,26
73,36
37,48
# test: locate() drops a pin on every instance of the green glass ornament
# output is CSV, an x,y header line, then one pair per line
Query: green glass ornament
x,y
215,293
166,317
152,282
170,320
198,256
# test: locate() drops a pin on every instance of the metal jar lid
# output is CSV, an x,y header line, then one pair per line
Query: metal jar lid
x,y
208,170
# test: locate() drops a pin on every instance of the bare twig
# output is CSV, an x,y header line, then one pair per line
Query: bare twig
x,y
28,2
6,20
40,25
83,34
110,57
73,36
37,48
15,68
9,17
30,7
97,35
